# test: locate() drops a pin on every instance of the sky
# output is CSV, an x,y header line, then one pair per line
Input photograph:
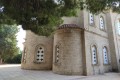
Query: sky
x,y
21,37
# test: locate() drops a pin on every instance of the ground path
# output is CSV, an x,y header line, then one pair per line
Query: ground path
x,y
14,72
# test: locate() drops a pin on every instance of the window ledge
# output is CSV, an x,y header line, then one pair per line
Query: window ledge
x,y
38,62
92,24
104,30
106,64
95,64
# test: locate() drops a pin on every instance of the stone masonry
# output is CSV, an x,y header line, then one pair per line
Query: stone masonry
x,y
84,45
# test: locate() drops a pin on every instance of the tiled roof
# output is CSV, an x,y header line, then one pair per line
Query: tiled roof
x,y
68,26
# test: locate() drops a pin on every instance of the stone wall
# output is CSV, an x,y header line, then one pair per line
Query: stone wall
x,y
114,39
93,35
75,55
78,20
31,44
70,56
90,40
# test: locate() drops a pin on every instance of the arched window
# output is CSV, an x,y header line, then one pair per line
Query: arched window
x,y
24,55
105,55
40,54
57,53
118,26
102,23
91,18
94,55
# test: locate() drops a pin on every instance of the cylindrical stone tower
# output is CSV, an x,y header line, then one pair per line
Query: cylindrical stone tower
x,y
38,52
67,54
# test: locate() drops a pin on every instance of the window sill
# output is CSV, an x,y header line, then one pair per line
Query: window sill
x,y
103,30
106,64
38,62
95,64
92,24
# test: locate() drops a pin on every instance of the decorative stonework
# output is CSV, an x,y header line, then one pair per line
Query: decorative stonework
x,y
69,26
24,55
57,54
102,23
94,55
70,50
91,19
105,55
40,54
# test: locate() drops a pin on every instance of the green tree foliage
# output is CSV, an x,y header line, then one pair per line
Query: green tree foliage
x,y
15,59
39,16
8,41
97,6
42,16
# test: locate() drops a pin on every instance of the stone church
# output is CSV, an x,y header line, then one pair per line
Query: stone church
x,y
84,45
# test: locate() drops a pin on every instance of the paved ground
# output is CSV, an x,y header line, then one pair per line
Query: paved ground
x,y
13,72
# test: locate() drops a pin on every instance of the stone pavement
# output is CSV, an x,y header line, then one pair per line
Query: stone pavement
x,y
13,72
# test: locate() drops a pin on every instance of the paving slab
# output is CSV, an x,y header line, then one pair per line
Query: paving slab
x,y
14,72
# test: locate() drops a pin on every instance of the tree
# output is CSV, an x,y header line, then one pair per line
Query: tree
x,y
8,41
16,59
42,16
97,6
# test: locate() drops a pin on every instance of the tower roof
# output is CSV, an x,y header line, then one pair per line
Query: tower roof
x,y
69,26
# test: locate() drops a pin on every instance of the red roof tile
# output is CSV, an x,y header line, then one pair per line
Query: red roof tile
x,y
69,26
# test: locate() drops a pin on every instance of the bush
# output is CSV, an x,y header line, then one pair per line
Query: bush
x,y
15,60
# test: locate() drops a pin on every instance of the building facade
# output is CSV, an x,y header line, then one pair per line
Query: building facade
x,y
84,45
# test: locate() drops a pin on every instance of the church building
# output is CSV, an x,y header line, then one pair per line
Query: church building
x,y
84,45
